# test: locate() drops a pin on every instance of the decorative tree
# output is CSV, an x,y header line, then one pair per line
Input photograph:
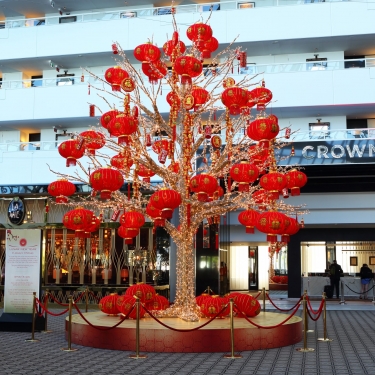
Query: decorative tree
x,y
205,176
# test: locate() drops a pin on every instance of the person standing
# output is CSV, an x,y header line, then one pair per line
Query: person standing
x,y
366,276
335,272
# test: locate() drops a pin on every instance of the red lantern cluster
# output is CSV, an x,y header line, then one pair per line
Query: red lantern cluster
x,y
131,222
158,303
245,304
126,304
204,185
188,67
213,305
199,33
156,215
115,76
106,180
108,304
144,292
61,189
106,117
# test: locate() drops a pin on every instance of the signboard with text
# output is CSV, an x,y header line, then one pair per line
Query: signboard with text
x,y
22,269
327,152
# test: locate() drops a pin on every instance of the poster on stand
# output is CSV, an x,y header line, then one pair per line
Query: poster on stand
x,y
22,269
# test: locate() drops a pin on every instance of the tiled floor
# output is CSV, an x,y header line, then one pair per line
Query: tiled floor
x,y
351,326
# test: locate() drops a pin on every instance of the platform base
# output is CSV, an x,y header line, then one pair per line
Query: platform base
x,y
214,337
13,322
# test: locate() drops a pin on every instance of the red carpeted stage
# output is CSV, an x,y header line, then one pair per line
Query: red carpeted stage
x,y
214,337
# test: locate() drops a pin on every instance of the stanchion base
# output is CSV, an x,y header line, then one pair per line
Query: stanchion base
x,y
139,356
230,356
32,340
310,330
305,350
325,340
46,331
69,349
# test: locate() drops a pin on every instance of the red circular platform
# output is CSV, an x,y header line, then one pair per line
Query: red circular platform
x,y
214,337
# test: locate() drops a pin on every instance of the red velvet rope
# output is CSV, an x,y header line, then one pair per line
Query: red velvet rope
x,y
103,328
286,310
268,327
40,314
310,307
66,304
50,312
256,297
184,330
320,312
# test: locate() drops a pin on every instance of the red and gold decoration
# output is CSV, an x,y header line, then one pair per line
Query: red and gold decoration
x,y
108,304
213,305
245,304
61,189
78,220
144,292
106,180
92,141
71,150
115,76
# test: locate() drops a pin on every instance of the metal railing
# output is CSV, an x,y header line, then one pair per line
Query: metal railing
x,y
250,69
155,12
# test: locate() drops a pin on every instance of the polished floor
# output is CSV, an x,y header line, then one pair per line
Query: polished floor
x,y
352,351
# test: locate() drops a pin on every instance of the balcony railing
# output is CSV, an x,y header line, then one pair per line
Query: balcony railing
x,y
155,12
336,134
251,69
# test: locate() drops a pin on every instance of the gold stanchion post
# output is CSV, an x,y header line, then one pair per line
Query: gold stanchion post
x,y
307,319
232,355
69,348
325,338
305,348
46,314
137,355
208,290
87,298
264,299
33,339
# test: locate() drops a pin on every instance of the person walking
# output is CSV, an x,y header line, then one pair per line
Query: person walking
x,y
335,272
366,276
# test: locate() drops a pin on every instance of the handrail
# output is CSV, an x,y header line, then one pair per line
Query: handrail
x,y
133,13
293,67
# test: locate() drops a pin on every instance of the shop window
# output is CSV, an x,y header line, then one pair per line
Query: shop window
x,y
319,130
65,79
317,63
37,81
67,19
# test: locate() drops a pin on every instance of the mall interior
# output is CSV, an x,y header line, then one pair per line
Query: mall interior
x,y
320,67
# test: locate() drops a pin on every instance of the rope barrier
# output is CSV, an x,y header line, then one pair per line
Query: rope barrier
x,y
50,312
310,307
360,292
40,314
268,327
103,328
285,310
312,318
256,297
184,330
67,304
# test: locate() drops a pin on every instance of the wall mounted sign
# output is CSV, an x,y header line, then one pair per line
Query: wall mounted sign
x,y
361,151
16,211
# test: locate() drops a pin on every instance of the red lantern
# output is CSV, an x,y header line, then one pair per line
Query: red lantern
x,y
271,223
122,126
295,180
211,306
115,76
107,117
147,53
274,182
173,99
127,233
106,180
291,229
122,161
78,220
188,67
159,145
234,98
156,215
166,200
244,173
200,299
204,185
92,141
283,279
126,303
171,46
245,305
71,150
200,95
209,46
144,292
154,71
258,155
158,303
93,227
248,219
199,33
261,198
61,189
263,130
145,173
276,279
263,97
251,99
108,304
132,219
